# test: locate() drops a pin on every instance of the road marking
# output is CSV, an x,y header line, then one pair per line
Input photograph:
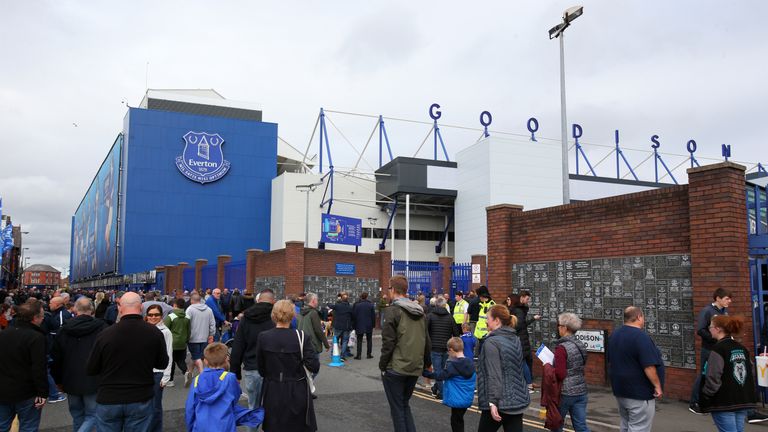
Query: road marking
x,y
474,408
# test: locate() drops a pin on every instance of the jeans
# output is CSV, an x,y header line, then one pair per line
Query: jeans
x,y
697,383
438,364
368,341
577,407
156,425
457,419
730,421
343,339
511,423
179,359
527,374
29,416
83,412
253,383
399,389
53,391
132,417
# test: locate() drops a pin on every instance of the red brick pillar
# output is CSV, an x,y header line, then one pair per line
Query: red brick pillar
x,y
384,263
170,279
294,267
199,264
221,262
478,260
180,268
158,271
445,263
719,245
251,258
500,247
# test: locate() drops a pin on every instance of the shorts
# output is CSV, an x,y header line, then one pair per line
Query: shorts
x,y
196,350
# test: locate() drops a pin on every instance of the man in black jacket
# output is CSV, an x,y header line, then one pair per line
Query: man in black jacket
x,y
363,321
520,311
124,356
23,368
342,323
440,327
71,348
256,319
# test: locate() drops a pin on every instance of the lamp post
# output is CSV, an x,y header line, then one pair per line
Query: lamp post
x,y
308,188
557,31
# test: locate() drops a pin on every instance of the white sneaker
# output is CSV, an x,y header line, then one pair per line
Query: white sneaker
x,y
170,384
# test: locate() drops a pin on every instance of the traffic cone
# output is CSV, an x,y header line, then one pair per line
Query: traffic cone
x,y
336,357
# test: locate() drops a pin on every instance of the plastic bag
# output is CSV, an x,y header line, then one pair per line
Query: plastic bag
x,y
352,339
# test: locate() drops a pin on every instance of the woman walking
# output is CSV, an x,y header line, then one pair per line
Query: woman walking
x,y
501,388
570,358
728,385
162,376
282,354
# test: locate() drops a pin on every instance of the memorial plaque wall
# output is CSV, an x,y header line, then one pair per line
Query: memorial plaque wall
x,y
602,288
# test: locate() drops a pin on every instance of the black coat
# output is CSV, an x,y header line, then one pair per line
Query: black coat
x,y
521,312
101,309
342,316
71,348
256,319
23,363
363,316
441,326
286,398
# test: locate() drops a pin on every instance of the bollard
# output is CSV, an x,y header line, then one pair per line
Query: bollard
x,y
336,358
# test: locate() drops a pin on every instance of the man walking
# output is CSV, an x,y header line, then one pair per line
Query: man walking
x,y
520,311
309,323
363,321
256,319
202,328
214,302
178,323
405,352
719,306
636,371
23,368
56,318
342,323
440,327
71,348
124,356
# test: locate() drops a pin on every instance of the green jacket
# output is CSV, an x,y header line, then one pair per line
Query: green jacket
x,y
309,323
406,347
178,323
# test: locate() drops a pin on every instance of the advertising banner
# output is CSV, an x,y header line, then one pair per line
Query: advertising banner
x,y
95,224
341,230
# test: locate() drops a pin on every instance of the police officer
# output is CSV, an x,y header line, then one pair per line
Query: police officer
x,y
481,329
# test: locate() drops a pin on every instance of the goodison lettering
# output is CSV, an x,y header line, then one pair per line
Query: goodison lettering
x,y
193,162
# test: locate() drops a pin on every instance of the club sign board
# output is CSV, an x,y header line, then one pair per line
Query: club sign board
x,y
341,230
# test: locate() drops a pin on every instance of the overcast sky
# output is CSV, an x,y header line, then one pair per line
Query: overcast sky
x,y
680,69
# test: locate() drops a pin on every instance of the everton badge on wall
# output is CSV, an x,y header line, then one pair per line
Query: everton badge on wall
x,y
203,157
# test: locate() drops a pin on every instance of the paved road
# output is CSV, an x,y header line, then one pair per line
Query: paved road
x,y
349,398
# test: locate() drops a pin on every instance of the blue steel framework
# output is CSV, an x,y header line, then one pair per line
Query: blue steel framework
x,y
423,276
757,224
461,277
619,153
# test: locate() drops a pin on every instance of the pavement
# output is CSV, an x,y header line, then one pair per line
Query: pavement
x,y
352,398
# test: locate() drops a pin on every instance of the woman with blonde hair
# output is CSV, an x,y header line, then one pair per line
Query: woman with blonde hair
x,y
284,357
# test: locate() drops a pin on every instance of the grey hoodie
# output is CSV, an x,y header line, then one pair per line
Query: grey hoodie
x,y
201,323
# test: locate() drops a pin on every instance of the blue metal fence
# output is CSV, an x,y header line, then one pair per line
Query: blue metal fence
x,y
188,279
423,276
208,277
461,278
234,275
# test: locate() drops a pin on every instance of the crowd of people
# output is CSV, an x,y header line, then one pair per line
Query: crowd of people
x,y
110,355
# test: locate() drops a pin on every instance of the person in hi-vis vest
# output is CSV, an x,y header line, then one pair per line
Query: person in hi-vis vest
x,y
460,310
481,329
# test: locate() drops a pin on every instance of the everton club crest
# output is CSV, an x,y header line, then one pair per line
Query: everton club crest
x,y
203,158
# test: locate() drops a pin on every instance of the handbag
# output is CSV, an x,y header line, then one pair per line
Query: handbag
x,y
310,381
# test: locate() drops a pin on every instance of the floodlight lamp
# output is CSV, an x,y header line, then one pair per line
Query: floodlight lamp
x,y
557,30
572,13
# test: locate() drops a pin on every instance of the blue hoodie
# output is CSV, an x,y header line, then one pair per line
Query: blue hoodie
x,y
459,386
212,404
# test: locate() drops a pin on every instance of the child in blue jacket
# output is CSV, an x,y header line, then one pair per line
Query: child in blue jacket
x,y
469,341
459,382
212,401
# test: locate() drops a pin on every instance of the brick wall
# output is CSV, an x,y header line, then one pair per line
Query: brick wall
x,y
705,219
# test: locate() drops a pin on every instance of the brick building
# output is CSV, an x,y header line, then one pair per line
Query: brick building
x,y
41,276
